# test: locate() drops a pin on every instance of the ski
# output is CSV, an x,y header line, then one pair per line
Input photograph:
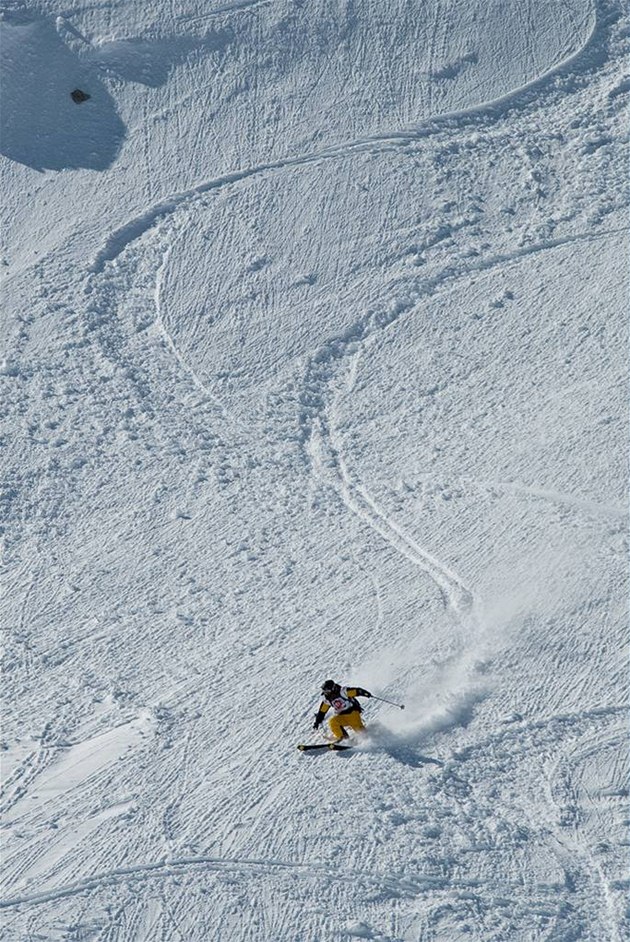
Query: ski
x,y
334,746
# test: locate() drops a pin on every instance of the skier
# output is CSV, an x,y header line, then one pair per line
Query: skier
x,y
346,707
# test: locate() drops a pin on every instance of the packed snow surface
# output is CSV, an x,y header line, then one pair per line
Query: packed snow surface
x,y
315,329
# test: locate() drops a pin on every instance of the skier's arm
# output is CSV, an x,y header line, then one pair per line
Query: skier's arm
x,y
358,692
321,713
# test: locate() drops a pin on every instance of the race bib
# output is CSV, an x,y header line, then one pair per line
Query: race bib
x,y
339,704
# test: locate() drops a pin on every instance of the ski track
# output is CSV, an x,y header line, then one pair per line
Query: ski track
x,y
17,784
414,888
238,6
322,443
490,111
560,721
592,508
455,592
327,459
597,904
565,802
160,327
410,887
321,439
370,325
350,343
174,867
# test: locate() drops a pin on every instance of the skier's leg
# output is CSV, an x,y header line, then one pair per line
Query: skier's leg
x,y
337,727
354,721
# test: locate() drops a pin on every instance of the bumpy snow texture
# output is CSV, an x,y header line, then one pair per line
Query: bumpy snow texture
x,y
316,343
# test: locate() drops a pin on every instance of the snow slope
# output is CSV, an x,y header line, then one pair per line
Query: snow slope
x,y
316,357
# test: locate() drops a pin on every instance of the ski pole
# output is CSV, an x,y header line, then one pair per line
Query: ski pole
x,y
401,706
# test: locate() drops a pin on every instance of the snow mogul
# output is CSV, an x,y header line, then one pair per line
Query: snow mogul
x,y
344,704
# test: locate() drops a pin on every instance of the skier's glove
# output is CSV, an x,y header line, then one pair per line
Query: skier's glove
x,y
317,724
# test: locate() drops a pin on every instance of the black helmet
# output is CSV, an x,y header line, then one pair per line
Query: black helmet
x,y
329,686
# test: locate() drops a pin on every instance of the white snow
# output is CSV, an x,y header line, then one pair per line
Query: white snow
x,y
314,365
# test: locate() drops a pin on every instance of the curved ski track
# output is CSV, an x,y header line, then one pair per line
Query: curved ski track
x,y
487,111
321,442
332,468
456,594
